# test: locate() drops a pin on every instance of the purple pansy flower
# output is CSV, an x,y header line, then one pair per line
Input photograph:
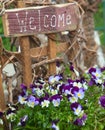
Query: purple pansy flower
x,y
11,113
55,99
81,121
72,98
102,101
77,83
95,76
71,67
77,108
74,90
33,88
54,79
104,84
23,121
23,87
39,81
54,125
80,93
22,99
91,82
74,70
70,81
66,89
102,69
91,70
44,101
32,101
23,90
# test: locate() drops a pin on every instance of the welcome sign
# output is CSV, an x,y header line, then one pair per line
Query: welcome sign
x,y
41,19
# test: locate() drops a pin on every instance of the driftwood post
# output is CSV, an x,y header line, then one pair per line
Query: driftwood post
x,y
25,52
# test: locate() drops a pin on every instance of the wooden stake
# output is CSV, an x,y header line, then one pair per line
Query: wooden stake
x,y
52,55
25,50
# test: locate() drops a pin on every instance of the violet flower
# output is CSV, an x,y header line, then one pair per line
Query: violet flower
x,y
66,89
54,125
54,79
91,82
74,90
44,101
81,121
71,67
32,101
95,76
91,70
72,98
23,87
23,121
77,84
102,101
22,99
11,114
55,99
77,108
80,93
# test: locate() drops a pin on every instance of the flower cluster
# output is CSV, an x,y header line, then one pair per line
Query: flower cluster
x,y
54,92
96,76
58,101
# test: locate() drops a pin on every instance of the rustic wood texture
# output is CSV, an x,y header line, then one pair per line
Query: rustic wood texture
x,y
43,51
2,98
46,19
52,54
25,51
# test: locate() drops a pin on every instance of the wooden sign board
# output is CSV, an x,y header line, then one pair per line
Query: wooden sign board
x,y
41,19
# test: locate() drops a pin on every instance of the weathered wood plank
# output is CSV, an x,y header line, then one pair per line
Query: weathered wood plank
x,y
43,51
42,19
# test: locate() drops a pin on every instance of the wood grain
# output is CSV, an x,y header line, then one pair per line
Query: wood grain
x,y
41,19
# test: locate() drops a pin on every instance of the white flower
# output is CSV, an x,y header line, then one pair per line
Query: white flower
x,y
39,92
85,86
73,99
22,100
77,111
54,92
11,116
31,104
56,102
79,85
45,103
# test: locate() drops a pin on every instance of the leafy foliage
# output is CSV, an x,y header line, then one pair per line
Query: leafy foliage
x,y
61,103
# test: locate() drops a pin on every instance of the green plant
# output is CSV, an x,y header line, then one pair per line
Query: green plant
x,y
61,103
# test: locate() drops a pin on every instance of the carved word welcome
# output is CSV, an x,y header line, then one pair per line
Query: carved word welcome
x,y
43,19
